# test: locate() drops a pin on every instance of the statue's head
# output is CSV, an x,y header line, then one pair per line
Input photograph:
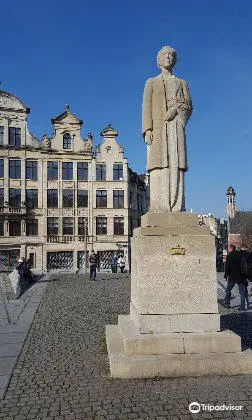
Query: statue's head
x,y
166,58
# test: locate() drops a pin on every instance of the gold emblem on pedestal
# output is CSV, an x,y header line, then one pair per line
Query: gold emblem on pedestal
x,y
177,250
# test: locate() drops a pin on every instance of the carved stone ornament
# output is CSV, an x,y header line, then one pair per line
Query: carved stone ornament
x,y
46,143
88,144
177,250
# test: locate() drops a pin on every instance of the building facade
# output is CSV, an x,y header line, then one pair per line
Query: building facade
x,y
239,222
58,198
219,228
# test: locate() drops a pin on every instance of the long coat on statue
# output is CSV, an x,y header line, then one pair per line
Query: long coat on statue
x,y
168,147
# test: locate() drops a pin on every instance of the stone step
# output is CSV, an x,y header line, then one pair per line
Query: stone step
x,y
172,365
167,343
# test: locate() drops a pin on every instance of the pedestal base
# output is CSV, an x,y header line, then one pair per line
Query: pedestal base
x,y
174,326
171,323
134,355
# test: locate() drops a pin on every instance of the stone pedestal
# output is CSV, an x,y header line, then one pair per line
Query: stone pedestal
x,y
174,326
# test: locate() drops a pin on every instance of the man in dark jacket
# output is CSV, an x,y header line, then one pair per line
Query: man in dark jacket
x,y
245,255
234,276
93,259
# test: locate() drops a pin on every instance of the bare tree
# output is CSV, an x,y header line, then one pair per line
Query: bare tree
x,y
246,231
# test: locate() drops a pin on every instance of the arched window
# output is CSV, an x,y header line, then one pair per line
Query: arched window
x,y
67,141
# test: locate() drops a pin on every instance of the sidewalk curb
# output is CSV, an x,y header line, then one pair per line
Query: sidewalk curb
x,y
13,336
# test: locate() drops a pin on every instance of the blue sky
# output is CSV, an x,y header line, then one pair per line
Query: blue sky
x,y
97,55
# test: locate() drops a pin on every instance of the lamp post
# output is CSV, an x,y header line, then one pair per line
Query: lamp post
x,y
85,240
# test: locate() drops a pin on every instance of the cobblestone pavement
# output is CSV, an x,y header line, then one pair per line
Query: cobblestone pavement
x,y
63,371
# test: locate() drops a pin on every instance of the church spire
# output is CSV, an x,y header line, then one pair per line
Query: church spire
x,y
230,202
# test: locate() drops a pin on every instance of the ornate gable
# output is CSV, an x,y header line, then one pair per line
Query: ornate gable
x,y
66,118
10,102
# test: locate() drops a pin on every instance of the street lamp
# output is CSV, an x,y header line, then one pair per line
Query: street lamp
x,y
85,240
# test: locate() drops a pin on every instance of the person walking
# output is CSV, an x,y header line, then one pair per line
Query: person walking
x,y
93,259
121,263
234,276
113,263
21,268
29,273
22,271
246,269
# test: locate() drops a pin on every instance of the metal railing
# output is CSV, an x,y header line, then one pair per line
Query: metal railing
x,y
12,210
56,239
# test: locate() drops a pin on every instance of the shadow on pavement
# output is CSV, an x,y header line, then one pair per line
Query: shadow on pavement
x,y
241,324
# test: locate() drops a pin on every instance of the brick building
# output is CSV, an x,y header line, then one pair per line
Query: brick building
x,y
239,222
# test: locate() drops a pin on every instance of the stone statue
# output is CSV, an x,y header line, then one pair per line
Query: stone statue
x,y
167,107
45,144
88,145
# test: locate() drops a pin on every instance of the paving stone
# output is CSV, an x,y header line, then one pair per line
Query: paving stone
x,y
7,364
6,338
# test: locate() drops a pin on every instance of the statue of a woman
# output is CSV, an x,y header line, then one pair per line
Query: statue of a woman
x,y
167,107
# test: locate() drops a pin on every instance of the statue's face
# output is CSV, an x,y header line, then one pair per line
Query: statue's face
x,y
169,59
166,58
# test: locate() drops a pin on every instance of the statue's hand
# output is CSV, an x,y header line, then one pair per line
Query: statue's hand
x,y
148,137
170,114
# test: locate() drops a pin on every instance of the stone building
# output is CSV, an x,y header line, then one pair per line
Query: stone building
x,y
59,198
219,229
239,222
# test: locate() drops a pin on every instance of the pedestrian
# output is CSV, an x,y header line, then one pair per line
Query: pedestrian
x,y
93,265
29,273
234,276
121,263
113,263
22,269
246,268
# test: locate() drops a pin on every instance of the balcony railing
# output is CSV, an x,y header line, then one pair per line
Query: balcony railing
x,y
55,239
12,210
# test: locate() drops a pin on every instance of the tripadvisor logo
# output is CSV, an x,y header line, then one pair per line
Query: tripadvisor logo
x,y
195,407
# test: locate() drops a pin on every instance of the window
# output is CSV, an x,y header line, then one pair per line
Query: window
x,y
101,172
67,170
117,172
67,226
15,169
31,198
14,136
31,169
139,202
52,225
101,225
1,197
1,168
82,171
101,198
118,226
1,226
67,141
52,170
14,227
67,198
15,197
82,198
52,198
118,199
82,224
32,227
1,134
